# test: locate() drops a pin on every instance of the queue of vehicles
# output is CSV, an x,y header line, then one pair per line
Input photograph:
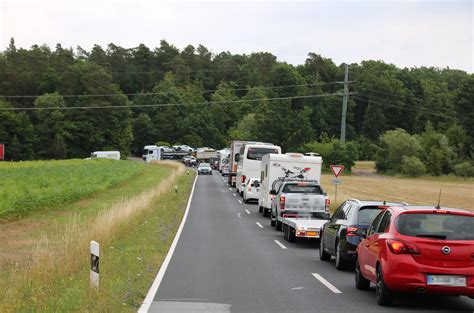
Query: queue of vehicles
x,y
397,247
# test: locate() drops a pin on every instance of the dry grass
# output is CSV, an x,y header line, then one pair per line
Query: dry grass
x,y
61,254
455,193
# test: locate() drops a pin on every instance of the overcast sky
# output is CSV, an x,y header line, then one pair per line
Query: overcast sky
x,y
406,33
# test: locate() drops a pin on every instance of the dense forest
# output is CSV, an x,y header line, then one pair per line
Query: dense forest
x,y
65,103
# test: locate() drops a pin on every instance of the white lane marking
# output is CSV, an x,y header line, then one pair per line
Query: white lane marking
x,y
247,211
240,201
235,195
159,277
326,283
297,288
280,244
230,188
238,214
259,225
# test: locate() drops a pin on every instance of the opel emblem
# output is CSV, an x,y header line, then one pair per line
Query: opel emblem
x,y
446,249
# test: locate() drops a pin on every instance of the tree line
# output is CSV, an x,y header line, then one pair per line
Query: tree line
x,y
75,101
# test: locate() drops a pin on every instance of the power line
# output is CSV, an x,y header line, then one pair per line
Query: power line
x,y
163,92
402,107
169,104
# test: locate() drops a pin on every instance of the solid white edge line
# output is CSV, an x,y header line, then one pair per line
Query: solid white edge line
x,y
247,211
326,283
161,273
280,244
259,225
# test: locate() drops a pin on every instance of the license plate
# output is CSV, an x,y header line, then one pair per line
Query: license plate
x,y
312,233
446,280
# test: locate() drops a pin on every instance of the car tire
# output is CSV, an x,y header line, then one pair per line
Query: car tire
x,y
383,295
272,221
323,255
278,225
341,264
285,232
361,282
291,234
260,209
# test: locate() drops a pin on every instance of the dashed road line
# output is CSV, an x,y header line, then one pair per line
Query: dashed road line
x,y
247,211
259,225
235,195
326,283
240,201
230,188
280,244
238,214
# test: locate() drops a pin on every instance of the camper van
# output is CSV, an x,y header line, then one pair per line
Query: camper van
x,y
151,153
249,159
114,155
275,167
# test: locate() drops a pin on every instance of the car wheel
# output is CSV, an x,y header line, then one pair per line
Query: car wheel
x,y
278,225
285,232
323,255
272,221
361,282
383,295
341,264
291,234
260,209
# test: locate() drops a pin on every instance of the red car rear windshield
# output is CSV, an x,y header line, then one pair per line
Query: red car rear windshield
x,y
436,226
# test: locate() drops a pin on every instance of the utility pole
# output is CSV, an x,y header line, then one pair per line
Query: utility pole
x,y
344,104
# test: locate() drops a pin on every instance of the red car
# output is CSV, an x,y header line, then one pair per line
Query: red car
x,y
417,249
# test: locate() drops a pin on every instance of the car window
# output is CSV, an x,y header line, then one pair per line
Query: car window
x,y
339,214
384,223
367,214
298,188
436,225
347,210
258,153
374,226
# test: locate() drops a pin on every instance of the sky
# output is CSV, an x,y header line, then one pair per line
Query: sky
x,y
402,32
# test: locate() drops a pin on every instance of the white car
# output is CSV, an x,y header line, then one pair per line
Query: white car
x,y
184,148
251,190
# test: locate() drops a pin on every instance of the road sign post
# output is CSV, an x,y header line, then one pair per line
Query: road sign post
x,y
94,275
336,170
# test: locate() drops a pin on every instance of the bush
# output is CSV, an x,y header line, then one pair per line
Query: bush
x,y
464,169
394,145
334,152
412,166
162,143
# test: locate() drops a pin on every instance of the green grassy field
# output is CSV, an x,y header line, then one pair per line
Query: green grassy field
x,y
26,187
134,222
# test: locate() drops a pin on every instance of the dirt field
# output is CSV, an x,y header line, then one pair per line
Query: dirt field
x,y
365,184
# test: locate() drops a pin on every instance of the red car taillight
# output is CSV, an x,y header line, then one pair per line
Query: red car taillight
x,y
327,203
351,231
282,202
243,179
400,247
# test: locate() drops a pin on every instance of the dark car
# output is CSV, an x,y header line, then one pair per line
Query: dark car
x,y
339,236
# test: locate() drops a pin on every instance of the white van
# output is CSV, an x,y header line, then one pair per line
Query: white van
x,y
223,158
151,153
249,159
114,155
290,165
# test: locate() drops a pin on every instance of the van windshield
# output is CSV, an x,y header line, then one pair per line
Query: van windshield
x,y
258,153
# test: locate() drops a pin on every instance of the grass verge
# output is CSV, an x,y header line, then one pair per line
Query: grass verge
x,y
26,187
134,234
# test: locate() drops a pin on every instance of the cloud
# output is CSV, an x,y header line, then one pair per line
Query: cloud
x,y
404,33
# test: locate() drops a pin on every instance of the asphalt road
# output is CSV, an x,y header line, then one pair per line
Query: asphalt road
x,y
226,262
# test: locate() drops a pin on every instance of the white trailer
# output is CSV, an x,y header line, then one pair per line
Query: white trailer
x,y
223,158
235,146
151,153
113,155
275,167
295,226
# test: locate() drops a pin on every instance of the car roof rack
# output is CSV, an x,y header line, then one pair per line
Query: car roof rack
x,y
301,179
354,200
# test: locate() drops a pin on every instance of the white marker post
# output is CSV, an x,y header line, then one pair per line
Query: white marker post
x,y
94,277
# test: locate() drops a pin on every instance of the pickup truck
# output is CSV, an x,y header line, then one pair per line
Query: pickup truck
x,y
294,197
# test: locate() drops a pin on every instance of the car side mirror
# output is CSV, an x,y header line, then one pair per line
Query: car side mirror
x,y
361,232
273,192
